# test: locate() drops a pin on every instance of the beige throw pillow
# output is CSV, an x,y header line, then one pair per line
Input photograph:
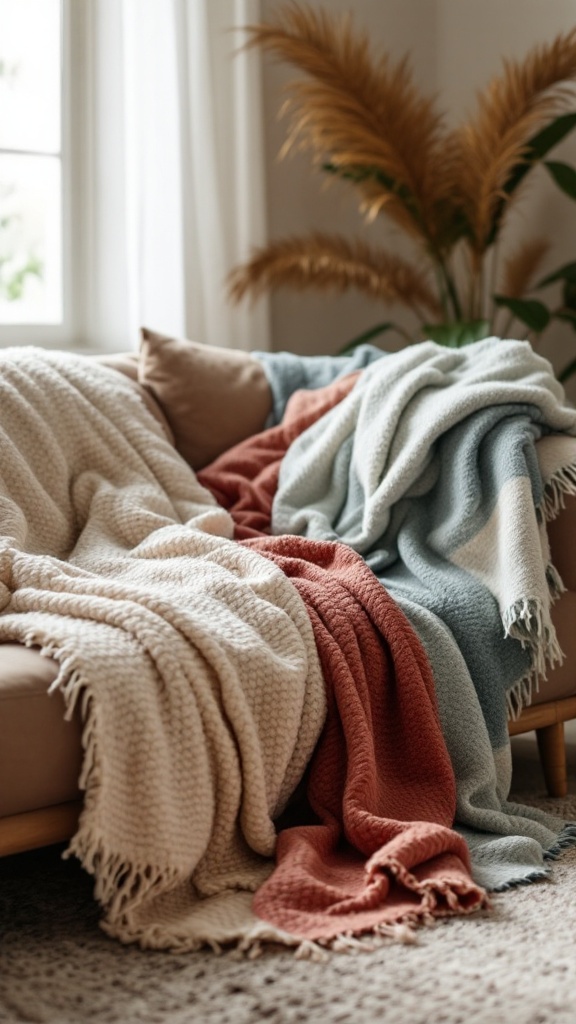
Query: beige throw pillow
x,y
212,397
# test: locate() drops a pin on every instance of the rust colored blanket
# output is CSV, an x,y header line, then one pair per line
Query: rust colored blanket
x,y
378,849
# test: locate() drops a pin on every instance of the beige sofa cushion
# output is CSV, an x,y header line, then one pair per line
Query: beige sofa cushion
x,y
40,753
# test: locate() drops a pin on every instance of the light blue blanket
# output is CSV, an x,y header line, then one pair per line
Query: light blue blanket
x,y
429,469
288,372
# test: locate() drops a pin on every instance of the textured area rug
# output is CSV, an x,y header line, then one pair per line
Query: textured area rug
x,y
513,965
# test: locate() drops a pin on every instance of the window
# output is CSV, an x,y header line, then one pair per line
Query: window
x,y
33,300
108,122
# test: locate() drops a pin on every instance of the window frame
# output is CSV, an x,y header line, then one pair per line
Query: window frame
x,y
73,85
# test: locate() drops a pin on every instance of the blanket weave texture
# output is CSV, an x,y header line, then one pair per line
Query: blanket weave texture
x,y
429,469
191,658
379,849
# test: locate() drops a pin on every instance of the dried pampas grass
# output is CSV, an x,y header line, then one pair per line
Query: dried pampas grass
x,y
487,148
332,262
364,120
355,112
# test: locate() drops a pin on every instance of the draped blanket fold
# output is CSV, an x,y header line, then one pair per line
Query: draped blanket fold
x,y
200,666
381,851
429,469
191,658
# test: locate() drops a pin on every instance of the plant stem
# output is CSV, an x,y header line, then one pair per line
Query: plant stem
x,y
493,279
480,290
450,288
567,372
506,327
442,291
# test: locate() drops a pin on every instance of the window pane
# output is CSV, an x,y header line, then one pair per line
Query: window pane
x,y
30,240
30,75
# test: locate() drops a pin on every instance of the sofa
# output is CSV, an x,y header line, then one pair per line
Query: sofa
x,y
182,384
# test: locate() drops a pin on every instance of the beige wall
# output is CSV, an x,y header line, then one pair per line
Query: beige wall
x,y
455,46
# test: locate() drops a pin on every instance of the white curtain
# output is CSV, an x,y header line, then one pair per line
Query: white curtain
x,y
175,170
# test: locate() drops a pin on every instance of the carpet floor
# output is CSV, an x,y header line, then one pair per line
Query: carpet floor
x,y
513,965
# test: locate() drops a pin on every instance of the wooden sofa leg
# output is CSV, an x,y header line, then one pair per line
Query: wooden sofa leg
x,y
552,752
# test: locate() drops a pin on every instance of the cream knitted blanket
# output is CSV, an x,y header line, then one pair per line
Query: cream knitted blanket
x,y
191,658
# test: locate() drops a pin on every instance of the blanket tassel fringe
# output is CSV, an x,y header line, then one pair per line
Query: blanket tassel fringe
x,y
319,950
562,483
529,622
